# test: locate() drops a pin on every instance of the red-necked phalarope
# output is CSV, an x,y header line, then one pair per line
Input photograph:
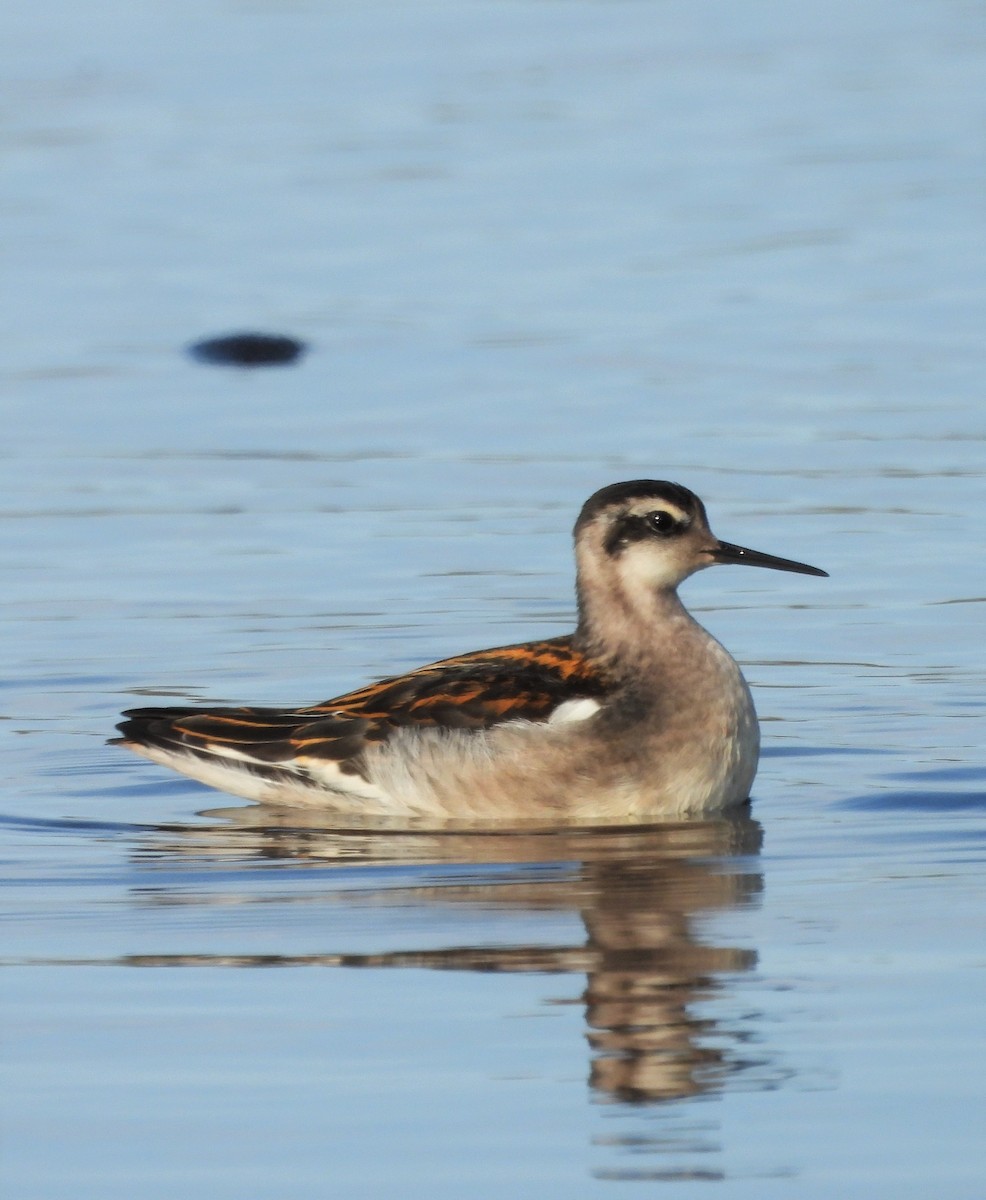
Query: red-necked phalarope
x,y
638,713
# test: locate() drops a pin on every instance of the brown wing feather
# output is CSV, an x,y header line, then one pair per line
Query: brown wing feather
x,y
472,691
479,689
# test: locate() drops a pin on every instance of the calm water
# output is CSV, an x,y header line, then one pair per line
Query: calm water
x,y
535,248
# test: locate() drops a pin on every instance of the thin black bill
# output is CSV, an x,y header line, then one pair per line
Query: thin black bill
x,y
726,552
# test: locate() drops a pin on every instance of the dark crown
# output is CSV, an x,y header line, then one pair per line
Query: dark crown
x,y
618,495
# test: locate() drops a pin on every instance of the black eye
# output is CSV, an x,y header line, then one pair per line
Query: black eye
x,y
661,522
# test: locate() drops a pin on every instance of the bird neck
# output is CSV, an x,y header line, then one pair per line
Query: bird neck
x,y
629,631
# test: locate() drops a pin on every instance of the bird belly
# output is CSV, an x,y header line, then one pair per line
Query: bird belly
x,y
585,771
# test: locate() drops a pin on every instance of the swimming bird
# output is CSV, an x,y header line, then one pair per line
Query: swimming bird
x,y
639,713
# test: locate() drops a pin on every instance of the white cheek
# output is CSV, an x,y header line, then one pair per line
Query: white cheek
x,y
646,572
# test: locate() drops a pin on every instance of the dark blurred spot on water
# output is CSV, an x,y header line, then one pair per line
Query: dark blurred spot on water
x,y
248,350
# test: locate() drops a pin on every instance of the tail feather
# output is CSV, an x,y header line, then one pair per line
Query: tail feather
x,y
262,754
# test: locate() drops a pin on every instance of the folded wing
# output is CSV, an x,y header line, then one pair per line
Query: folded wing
x,y
528,682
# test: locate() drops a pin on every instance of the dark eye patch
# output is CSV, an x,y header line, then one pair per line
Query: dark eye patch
x,y
636,527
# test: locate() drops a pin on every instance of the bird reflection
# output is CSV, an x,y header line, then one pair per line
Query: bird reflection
x,y
649,969
641,893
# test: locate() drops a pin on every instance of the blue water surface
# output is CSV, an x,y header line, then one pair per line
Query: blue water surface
x,y
532,248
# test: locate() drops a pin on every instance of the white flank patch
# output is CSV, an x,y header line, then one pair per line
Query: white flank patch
x,y
574,710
